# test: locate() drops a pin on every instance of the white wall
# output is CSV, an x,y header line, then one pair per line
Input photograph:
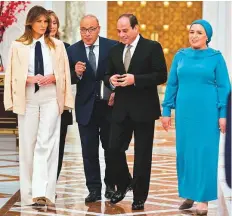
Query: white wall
x,y
99,9
219,14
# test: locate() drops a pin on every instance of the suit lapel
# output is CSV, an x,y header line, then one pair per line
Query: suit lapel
x,y
120,53
82,53
102,55
137,53
55,61
23,55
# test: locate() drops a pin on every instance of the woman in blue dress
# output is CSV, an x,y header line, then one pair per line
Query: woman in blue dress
x,y
197,88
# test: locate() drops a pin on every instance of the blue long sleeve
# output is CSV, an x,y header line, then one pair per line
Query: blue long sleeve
x,y
171,89
223,86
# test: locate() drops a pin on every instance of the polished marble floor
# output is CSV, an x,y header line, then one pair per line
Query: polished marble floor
x,y
163,198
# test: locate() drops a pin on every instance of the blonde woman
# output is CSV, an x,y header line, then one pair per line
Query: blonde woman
x,y
38,89
66,117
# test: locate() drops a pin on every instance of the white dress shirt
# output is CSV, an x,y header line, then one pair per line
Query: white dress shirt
x,y
132,50
47,59
133,47
96,53
95,50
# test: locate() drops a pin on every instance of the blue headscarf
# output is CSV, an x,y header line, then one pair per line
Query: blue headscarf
x,y
208,28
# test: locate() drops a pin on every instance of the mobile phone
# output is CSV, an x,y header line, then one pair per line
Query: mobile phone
x,y
121,76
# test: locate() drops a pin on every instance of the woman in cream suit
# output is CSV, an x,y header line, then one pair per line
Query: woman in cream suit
x,y
38,89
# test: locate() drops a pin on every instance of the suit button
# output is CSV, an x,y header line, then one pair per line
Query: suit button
x,y
14,92
15,80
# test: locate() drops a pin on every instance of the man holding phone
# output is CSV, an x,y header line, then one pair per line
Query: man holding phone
x,y
88,59
136,66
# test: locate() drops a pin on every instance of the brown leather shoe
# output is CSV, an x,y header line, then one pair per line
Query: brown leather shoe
x,y
40,200
187,204
201,212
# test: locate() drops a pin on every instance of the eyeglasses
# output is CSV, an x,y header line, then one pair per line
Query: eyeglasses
x,y
90,30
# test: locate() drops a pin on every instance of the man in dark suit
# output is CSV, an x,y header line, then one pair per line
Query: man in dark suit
x,y
88,59
136,66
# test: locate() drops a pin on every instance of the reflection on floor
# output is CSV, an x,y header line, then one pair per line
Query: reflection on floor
x,y
163,197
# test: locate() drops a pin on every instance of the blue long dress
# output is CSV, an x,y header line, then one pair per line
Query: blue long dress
x,y
197,88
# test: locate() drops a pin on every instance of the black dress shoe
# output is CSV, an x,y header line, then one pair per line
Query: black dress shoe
x,y
119,195
93,196
110,190
138,205
37,205
187,204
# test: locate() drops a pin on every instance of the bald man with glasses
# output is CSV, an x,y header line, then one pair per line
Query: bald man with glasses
x,y
88,59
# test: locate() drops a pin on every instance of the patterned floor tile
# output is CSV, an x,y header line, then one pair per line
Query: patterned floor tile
x,y
162,200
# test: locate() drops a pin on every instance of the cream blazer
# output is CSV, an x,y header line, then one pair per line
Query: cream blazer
x,y
17,71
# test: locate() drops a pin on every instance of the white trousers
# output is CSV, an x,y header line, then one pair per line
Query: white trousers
x,y
39,134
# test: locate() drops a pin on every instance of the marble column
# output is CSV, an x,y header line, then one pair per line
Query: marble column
x,y
75,10
219,14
